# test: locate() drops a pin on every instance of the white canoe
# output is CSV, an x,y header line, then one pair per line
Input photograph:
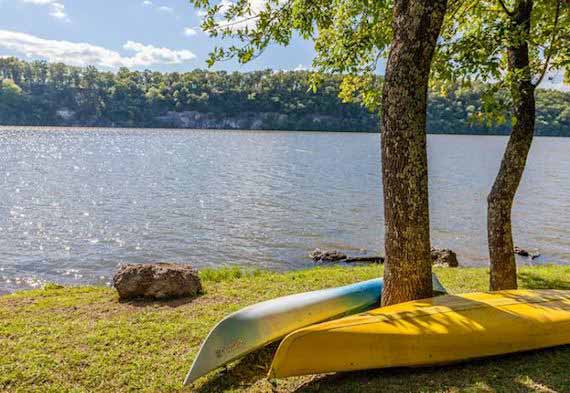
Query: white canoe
x,y
260,324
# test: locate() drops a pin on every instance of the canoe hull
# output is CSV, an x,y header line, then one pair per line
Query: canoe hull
x,y
429,332
260,324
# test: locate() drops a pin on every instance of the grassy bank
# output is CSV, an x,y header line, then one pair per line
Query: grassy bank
x,y
82,339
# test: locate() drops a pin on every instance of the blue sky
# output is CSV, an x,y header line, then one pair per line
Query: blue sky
x,y
162,35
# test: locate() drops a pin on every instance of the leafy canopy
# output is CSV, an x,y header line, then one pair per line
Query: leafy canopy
x,y
475,42
351,36
37,93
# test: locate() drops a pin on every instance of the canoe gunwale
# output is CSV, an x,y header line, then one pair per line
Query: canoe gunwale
x,y
435,309
432,310
499,301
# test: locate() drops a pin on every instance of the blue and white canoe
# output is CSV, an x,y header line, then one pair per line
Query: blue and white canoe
x,y
260,324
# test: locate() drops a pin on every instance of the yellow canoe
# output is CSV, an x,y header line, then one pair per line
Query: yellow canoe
x,y
438,330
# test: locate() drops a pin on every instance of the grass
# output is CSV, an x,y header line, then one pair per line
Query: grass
x,y
81,339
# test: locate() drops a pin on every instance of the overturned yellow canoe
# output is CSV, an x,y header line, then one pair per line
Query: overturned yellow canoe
x,y
432,331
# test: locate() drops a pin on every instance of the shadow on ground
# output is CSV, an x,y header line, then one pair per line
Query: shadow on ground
x,y
165,303
544,371
245,372
534,281
541,371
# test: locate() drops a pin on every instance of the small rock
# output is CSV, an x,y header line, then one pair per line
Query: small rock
x,y
379,260
157,281
319,255
444,257
524,253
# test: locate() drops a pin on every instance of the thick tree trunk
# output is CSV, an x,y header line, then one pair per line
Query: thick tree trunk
x,y
416,26
500,200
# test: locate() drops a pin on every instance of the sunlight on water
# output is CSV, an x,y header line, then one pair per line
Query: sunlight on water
x,y
75,204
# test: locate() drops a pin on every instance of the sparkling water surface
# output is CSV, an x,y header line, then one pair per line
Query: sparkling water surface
x,y
76,203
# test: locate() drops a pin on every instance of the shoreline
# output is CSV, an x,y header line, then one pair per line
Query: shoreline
x,y
522,263
58,128
83,339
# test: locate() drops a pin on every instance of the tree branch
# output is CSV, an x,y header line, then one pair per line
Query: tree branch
x,y
551,47
459,5
225,25
504,7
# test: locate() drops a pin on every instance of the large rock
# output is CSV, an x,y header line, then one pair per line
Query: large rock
x,y
157,281
444,257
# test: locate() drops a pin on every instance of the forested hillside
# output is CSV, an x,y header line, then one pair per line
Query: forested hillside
x,y
40,93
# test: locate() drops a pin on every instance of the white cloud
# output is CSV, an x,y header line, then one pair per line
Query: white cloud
x,y
162,8
148,54
300,67
247,21
83,54
226,4
188,31
201,13
58,11
56,8
38,2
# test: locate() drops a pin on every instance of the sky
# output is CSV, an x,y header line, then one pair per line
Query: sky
x,y
161,35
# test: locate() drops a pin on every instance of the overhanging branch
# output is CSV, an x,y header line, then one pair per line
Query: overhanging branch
x,y
552,41
504,7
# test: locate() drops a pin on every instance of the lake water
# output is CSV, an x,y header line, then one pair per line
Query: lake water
x,y
76,203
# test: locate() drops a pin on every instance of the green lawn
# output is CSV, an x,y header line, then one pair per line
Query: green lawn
x,y
81,339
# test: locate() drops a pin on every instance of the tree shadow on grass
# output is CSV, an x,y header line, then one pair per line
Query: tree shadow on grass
x,y
177,302
535,281
529,372
241,374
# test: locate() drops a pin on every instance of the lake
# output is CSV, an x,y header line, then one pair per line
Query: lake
x,y
76,203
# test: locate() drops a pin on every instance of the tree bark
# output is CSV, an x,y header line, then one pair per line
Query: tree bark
x,y
501,197
407,273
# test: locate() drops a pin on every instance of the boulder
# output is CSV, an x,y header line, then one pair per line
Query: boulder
x,y
319,255
444,257
157,281
524,253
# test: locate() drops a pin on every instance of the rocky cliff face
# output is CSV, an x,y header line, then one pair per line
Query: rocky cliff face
x,y
194,119
241,121
244,121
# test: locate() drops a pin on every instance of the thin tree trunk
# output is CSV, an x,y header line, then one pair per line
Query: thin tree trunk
x,y
416,26
500,200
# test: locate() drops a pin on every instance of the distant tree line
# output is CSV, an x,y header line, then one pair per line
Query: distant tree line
x,y
41,93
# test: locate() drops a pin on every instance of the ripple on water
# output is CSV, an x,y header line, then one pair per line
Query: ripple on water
x,y
74,203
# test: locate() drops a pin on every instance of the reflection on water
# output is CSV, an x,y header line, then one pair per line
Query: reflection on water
x,y
74,204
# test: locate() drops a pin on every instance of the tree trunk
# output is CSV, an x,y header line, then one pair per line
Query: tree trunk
x,y
500,200
416,26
